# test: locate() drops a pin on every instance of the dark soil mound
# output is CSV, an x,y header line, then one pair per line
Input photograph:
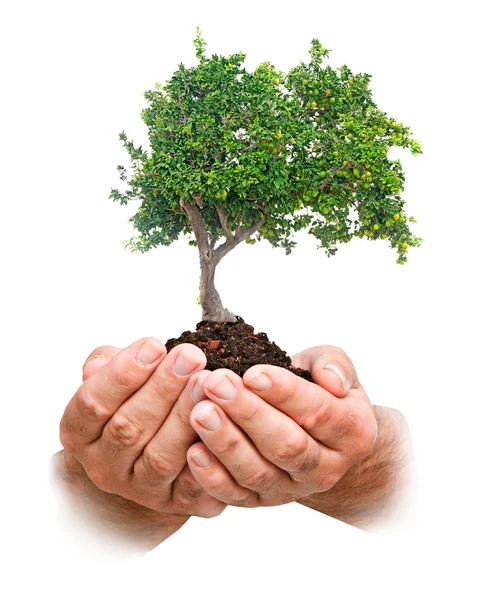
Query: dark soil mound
x,y
235,346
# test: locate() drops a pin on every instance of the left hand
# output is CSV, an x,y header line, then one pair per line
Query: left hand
x,y
271,437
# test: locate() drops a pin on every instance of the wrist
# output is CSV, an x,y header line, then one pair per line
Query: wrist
x,y
110,515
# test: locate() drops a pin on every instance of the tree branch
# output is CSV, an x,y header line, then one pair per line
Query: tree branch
x,y
229,244
197,223
223,217
253,145
325,182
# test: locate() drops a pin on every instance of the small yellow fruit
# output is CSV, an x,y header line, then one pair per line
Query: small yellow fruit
x,y
396,217
383,236
376,227
335,153
367,166
404,245
371,233
327,92
332,100
351,81
314,104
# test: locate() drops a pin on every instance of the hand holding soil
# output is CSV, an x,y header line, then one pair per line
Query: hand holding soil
x,y
152,438
272,437
128,426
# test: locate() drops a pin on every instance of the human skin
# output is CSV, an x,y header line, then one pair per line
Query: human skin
x,y
323,445
271,438
126,433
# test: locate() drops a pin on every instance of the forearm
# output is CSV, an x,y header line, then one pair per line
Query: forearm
x,y
375,490
126,522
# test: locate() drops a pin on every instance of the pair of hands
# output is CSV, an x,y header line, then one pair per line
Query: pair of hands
x,y
266,439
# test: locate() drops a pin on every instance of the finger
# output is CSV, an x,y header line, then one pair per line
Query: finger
x,y
237,452
164,457
216,480
324,417
97,359
98,398
137,420
330,367
277,437
191,497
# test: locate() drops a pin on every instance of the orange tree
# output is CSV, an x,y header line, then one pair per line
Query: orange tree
x,y
244,156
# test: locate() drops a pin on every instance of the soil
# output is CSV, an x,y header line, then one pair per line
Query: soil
x,y
235,346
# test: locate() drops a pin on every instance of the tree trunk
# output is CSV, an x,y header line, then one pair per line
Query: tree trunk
x,y
212,308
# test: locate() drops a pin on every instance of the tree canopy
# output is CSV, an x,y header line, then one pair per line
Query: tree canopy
x,y
263,154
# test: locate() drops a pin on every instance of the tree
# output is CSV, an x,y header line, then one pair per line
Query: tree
x,y
239,156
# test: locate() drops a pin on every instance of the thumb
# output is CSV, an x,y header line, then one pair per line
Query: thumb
x,y
330,367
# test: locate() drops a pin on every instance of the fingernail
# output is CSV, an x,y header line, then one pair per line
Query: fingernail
x,y
338,371
224,389
202,459
210,419
261,383
149,352
197,393
185,364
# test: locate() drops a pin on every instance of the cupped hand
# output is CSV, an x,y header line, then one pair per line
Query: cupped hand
x,y
128,425
271,437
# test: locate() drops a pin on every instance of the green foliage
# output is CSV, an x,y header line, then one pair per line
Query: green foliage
x,y
303,150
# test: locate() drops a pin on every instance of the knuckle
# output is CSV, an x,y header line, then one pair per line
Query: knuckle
x,y
209,510
156,466
101,478
67,439
122,431
320,419
92,407
291,448
182,417
365,439
345,425
259,481
252,415
163,384
328,480
186,494
124,378
229,447
307,462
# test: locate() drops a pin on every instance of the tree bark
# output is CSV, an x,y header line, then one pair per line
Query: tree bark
x,y
212,307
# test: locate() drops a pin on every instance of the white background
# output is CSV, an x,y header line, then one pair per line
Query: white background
x,y
73,74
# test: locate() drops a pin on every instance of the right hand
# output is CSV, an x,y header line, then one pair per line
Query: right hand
x,y
128,425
